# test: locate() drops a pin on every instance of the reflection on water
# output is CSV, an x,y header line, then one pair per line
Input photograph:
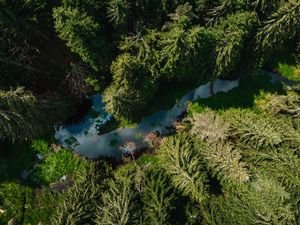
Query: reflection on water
x,y
84,139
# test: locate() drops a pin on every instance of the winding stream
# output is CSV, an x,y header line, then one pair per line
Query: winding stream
x,y
84,139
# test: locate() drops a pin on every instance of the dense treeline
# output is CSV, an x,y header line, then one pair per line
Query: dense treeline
x,y
228,166
127,48
235,166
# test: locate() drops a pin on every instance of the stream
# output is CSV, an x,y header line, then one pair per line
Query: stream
x,y
84,139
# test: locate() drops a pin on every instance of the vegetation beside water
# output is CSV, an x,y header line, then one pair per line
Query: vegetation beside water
x,y
234,159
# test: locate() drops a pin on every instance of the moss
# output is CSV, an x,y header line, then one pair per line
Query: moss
x,y
56,165
146,158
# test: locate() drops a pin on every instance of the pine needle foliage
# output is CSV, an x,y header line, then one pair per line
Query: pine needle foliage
x,y
23,115
265,6
183,163
224,161
131,89
117,11
231,34
116,204
158,198
78,204
281,164
276,105
281,26
80,32
261,202
209,127
259,131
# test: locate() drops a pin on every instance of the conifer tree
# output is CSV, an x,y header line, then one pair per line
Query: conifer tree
x,y
131,89
264,201
281,26
158,198
116,204
117,11
81,34
23,115
231,34
182,161
79,203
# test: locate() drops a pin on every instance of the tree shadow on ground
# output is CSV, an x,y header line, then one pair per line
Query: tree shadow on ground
x,y
241,97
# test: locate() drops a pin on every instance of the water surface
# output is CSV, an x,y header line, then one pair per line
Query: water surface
x,y
84,139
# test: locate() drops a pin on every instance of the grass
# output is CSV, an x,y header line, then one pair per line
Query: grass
x,y
285,63
147,159
241,97
289,71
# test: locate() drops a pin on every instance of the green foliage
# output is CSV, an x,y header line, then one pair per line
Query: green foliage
x,y
281,26
116,204
259,131
265,6
80,31
79,203
225,162
24,204
131,88
158,198
231,35
220,156
28,22
41,146
281,164
209,127
262,202
224,8
182,161
56,165
184,53
22,115
233,166
11,200
280,105
117,11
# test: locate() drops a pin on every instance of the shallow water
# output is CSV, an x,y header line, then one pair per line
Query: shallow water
x,y
84,139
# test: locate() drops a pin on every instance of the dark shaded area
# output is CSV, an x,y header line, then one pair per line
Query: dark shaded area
x,y
242,96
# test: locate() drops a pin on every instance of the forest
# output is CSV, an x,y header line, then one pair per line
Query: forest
x,y
229,159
